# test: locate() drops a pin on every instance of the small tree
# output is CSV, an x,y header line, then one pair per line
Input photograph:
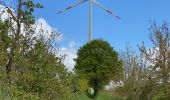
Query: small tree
x,y
29,67
159,57
19,33
98,63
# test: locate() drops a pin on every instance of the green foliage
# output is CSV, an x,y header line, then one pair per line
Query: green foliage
x,y
29,67
101,96
43,73
83,85
4,41
37,73
98,63
26,10
147,76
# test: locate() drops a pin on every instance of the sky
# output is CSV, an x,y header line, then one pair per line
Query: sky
x,y
136,17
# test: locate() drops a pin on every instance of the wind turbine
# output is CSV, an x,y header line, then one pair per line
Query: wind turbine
x,y
90,13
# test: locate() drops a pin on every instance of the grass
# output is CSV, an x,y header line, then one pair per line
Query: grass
x,y
100,96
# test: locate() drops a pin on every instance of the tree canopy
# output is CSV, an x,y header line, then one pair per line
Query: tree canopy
x,y
98,63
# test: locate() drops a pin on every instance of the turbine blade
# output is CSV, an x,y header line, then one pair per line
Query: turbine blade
x,y
110,12
73,5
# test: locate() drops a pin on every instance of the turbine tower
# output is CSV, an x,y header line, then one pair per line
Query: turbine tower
x,y
90,13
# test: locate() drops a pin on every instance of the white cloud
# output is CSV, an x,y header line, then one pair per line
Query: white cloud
x,y
72,44
69,53
41,26
3,12
44,29
112,85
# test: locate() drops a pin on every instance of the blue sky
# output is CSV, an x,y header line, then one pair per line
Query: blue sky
x,y
132,28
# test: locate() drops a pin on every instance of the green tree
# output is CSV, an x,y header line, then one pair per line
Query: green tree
x,y
98,63
147,75
30,68
137,77
4,42
159,57
16,35
44,74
